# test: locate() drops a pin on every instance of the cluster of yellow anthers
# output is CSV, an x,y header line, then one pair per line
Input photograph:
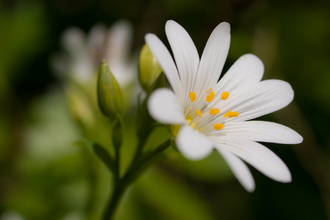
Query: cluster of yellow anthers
x,y
213,111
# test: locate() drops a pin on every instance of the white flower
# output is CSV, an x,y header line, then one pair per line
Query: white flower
x,y
85,53
206,114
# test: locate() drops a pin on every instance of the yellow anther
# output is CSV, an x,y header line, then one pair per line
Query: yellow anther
x,y
218,126
190,108
230,114
214,111
224,95
210,96
198,112
192,97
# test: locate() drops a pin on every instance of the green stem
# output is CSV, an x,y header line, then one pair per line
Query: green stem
x,y
116,195
117,169
137,154
121,185
117,134
139,166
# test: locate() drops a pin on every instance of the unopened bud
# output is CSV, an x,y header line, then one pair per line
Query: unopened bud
x,y
109,94
149,68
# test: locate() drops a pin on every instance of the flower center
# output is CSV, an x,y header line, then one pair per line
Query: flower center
x,y
203,115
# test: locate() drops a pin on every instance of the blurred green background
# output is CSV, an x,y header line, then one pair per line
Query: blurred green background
x,y
43,177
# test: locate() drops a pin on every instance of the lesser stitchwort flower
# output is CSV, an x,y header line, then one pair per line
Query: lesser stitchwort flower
x,y
206,114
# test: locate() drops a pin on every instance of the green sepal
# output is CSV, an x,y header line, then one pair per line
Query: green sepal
x,y
149,68
109,94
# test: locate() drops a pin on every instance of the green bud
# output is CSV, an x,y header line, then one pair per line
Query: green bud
x,y
109,94
149,68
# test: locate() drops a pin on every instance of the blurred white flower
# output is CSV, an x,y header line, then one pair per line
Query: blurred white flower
x,y
85,53
11,215
206,114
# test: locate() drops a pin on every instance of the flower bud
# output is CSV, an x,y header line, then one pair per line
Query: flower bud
x,y
149,68
109,94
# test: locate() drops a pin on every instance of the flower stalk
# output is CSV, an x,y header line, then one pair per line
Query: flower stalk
x,y
121,184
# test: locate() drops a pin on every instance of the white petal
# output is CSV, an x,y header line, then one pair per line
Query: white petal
x,y
240,170
247,70
164,107
119,40
257,155
214,57
96,39
192,144
73,40
185,54
262,131
260,99
166,62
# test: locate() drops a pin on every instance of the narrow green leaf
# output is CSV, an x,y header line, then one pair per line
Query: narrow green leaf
x,y
104,156
100,151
